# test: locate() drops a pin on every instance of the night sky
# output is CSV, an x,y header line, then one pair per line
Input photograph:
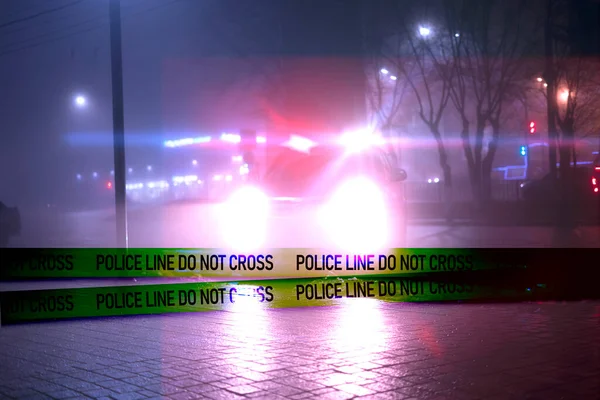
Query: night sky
x,y
45,61
190,66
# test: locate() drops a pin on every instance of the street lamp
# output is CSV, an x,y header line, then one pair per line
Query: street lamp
x,y
80,101
564,96
424,31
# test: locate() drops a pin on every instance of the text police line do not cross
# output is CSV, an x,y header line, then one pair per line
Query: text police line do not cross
x,y
384,262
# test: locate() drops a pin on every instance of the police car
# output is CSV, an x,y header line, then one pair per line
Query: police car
x,y
335,194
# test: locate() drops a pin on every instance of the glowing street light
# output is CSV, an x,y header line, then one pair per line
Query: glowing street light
x,y
564,95
393,77
80,101
424,31
384,71
539,79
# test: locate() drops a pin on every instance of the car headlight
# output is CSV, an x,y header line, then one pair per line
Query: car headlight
x,y
244,219
356,216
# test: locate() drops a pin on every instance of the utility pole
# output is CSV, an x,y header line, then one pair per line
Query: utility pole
x,y
118,122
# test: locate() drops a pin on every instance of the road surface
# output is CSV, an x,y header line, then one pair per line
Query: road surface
x,y
197,225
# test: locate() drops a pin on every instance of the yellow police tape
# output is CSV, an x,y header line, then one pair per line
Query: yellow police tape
x,y
274,263
244,296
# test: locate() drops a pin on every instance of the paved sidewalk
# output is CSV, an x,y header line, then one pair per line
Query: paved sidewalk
x,y
364,349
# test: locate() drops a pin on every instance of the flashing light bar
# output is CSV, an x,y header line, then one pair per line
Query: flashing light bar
x,y
300,143
361,140
187,141
226,137
231,137
185,179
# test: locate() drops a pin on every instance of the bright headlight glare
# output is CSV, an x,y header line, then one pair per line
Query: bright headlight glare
x,y
244,219
356,216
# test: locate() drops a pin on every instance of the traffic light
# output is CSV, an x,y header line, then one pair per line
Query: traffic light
x,y
523,151
532,127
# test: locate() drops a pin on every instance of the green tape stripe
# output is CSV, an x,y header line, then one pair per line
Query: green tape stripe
x,y
274,263
22,306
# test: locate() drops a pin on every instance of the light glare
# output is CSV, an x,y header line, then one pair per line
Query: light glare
x,y
80,101
356,216
424,31
244,219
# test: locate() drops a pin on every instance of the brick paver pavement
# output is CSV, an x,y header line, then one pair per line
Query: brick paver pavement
x,y
365,349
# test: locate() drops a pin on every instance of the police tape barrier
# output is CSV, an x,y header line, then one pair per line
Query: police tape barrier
x,y
276,263
23,306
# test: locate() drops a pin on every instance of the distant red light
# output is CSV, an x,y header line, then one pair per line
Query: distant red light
x,y
531,127
109,185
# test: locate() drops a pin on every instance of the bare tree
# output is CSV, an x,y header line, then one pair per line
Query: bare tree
x,y
385,96
578,114
420,64
573,91
492,42
429,74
